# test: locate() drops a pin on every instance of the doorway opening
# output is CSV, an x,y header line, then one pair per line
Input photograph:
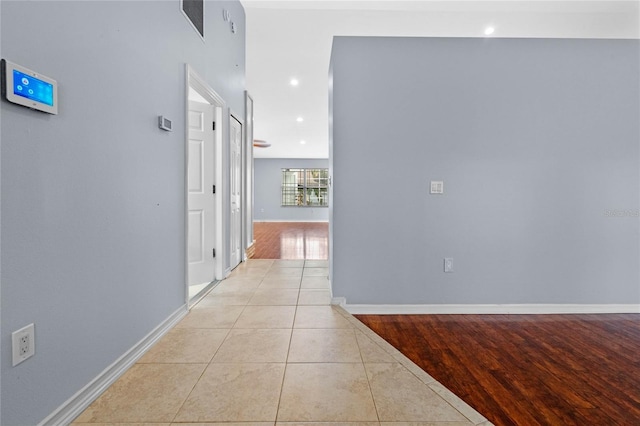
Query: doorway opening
x,y
203,189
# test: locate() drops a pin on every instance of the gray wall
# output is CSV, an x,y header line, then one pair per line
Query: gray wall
x,y
93,198
536,142
268,181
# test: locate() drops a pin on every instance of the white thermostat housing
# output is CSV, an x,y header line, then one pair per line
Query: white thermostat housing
x,y
164,123
437,187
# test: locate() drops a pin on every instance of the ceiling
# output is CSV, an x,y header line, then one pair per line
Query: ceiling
x,y
292,39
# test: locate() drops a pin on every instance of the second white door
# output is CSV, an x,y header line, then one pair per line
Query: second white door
x,y
235,158
201,215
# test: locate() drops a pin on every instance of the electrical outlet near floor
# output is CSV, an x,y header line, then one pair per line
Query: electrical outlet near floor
x,y
448,264
23,344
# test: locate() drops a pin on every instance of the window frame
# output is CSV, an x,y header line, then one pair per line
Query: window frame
x,y
292,191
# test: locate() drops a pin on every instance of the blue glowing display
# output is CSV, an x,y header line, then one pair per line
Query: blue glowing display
x,y
32,88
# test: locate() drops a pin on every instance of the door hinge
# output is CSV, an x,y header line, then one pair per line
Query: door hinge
x,y
214,125
214,252
214,189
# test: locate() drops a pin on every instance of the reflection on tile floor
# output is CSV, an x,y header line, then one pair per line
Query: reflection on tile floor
x,y
266,347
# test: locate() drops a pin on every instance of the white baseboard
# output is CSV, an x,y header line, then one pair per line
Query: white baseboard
x,y
75,405
342,301
488,309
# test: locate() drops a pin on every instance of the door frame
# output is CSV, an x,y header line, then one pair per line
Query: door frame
x,y
247,176
242,230
194,81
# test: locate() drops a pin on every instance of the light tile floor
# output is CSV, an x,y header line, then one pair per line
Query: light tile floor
x,y
266,347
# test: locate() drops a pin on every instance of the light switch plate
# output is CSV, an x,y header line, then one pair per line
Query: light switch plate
x,y
437,187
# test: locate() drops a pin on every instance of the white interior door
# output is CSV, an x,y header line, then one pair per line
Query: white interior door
x,y
200,178
235,158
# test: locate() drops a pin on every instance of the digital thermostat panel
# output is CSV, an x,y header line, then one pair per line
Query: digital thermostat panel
x,y
25,87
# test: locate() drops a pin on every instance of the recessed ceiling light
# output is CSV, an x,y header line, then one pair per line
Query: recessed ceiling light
x,y
299,119
294,82
303,142
489,30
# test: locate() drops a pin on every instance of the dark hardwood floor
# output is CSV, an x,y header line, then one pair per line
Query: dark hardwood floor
x,y
528,369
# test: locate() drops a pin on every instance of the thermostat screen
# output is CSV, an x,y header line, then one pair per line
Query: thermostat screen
x,y
32,88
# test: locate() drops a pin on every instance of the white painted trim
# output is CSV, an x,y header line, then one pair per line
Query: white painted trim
x,y
201,294
248,177
294,221
200,85
489,309
243,207
75,405
341,301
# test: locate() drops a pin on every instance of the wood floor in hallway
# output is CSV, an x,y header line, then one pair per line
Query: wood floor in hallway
x,y
291,240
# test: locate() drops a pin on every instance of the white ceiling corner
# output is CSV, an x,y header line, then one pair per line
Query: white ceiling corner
x,y
293,38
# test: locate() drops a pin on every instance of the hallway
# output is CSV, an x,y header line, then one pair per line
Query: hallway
x,y
265,346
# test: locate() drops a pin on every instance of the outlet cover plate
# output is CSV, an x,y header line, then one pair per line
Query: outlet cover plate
x,y
23,344
437,187
448,264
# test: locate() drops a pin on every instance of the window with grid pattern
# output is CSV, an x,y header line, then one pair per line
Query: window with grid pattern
x,y
305,187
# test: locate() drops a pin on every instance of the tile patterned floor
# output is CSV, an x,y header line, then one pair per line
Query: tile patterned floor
x,y
265,347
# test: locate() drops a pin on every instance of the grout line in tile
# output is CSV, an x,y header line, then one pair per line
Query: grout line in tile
x,y
244,308
217,349
375,406
189,394
286,362
299,287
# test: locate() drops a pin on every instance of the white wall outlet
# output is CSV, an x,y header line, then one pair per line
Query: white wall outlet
x,y
23,344
437,187
448,264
